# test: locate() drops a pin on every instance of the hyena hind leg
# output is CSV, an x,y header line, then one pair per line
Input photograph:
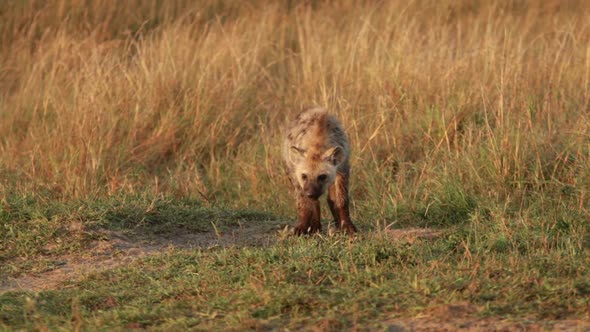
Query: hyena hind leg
x,y
308,212
338,202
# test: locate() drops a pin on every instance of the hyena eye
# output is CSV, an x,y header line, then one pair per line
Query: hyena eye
x,y
303,176
322,177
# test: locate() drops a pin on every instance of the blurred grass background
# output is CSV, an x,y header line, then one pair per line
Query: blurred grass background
x,y
452,107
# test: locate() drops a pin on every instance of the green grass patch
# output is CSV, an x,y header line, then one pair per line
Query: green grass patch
x,y
333,282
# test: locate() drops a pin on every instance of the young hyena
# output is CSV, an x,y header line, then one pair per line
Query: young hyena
x,y
316,152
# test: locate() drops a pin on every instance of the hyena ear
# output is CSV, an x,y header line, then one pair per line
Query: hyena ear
x,y
334,155
298,151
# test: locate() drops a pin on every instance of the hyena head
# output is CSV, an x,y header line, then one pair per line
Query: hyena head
x,y
315,172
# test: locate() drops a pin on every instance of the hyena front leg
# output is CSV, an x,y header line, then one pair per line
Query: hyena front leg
x,y
308,211
332,206
338,202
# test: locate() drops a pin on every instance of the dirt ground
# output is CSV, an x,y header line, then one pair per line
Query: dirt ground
x,y
459,317
116,249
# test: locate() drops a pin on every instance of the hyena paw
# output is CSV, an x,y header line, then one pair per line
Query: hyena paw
x,y
348,228
306,229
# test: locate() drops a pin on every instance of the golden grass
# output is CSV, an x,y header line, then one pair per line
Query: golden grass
x,y
189,98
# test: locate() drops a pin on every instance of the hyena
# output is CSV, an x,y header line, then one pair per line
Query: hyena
x,y
316,153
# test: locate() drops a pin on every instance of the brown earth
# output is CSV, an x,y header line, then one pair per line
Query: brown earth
x,y
460,317
115,249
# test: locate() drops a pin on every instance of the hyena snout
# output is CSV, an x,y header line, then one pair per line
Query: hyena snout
x,y
312,191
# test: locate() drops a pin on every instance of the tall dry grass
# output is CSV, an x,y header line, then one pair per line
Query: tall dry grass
x,y
448,104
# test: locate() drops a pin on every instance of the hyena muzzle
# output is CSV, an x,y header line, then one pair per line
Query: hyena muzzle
x,y
316,153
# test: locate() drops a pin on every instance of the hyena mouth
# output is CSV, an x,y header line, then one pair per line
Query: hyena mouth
x,y
312,195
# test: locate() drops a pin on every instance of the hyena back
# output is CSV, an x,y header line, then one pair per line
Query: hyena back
x,y
316,153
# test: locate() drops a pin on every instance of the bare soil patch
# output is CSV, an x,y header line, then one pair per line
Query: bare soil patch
x,y
461,317
116,248
412,234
